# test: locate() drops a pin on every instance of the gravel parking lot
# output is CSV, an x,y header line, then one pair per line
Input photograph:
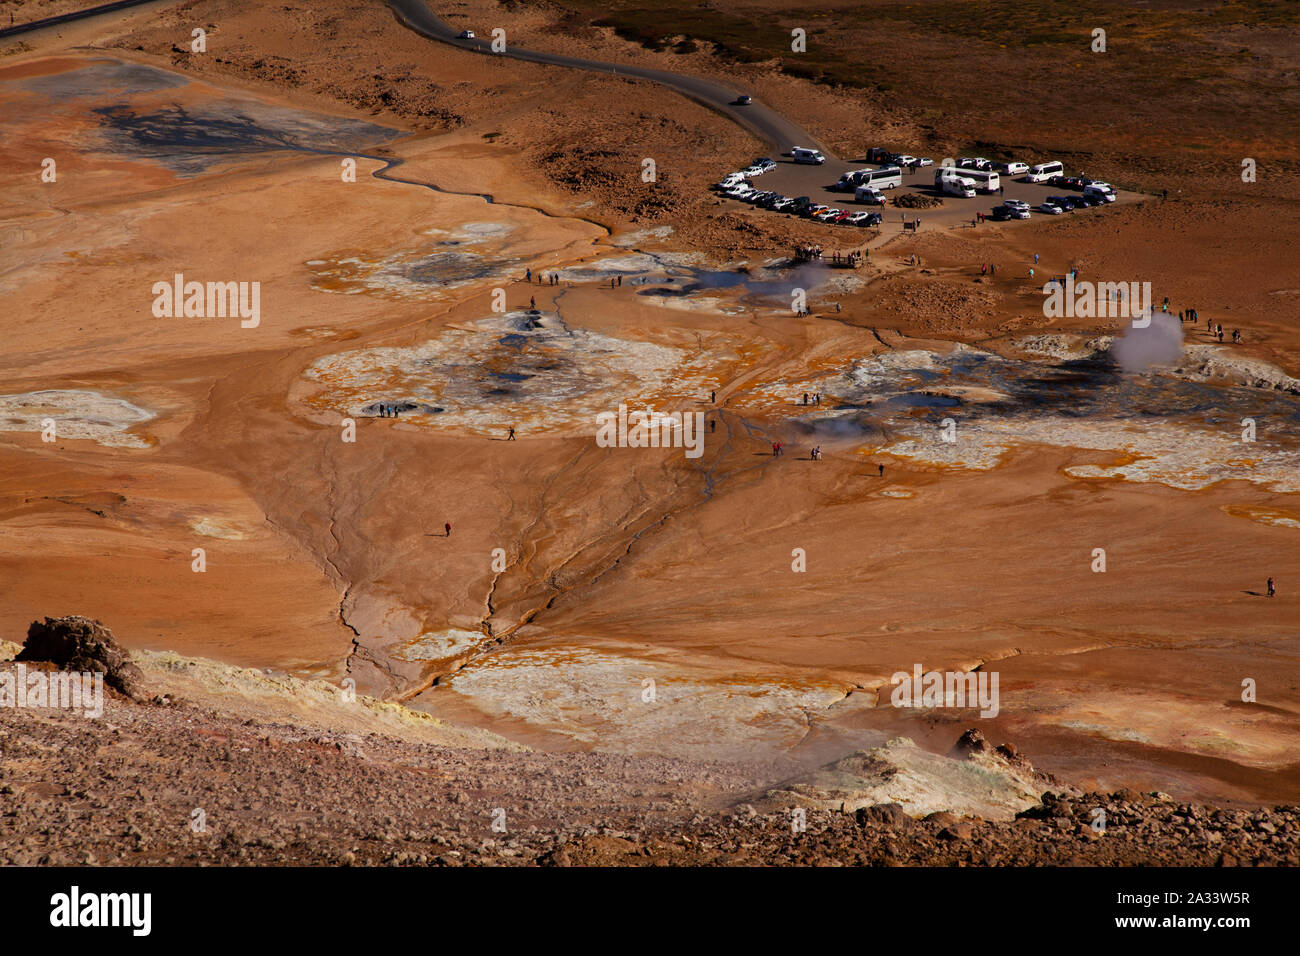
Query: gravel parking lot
x,y
797,179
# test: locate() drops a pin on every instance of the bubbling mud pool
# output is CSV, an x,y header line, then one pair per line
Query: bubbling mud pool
x,y
1161,427
525,368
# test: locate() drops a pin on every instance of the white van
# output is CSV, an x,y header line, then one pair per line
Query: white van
x,y
1103,191
959,186
869,195
811,157
1044,171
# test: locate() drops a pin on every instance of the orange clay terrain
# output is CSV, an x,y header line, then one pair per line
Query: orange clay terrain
x,y
233,486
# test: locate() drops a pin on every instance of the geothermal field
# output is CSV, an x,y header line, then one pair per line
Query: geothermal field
x,y
409,407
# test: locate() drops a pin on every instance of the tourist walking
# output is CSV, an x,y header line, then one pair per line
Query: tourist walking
x,y
448,527
1270,587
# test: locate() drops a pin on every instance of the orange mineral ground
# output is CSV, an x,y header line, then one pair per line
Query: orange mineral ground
x,y
230,486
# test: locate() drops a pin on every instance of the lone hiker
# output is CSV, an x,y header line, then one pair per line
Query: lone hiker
x,y
1270,587
532,302
882,470
448,527
528,275
511,436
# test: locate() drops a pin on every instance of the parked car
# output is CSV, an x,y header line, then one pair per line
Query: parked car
x,y
925,161
906,162
1064,203
871,197
826,215
878,154
813,209
1000,213
841,218
1011,168
974,162
857,218
766,163
1016,203
1050,208
783,205
800,203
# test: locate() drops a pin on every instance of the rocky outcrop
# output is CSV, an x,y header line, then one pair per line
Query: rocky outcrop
x,y
77,643
973,780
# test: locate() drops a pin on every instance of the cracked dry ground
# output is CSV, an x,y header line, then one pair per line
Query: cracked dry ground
x,y
123,789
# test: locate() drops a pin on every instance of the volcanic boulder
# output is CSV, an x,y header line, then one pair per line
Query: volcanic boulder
x,y
77,643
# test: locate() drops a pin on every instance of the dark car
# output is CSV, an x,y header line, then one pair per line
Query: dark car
x,y
1073,182
873,219
1076,202
1064,202
800,204
1089,200
1000,214
878,154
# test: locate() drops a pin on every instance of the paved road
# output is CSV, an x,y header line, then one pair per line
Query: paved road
x,y
768,125
69,17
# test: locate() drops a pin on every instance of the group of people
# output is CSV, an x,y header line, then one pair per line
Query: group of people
x,y
988,269
816,398
851,258
913,260
807,253
389,411
1215,329
552,278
